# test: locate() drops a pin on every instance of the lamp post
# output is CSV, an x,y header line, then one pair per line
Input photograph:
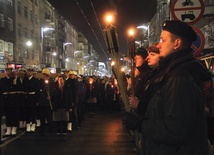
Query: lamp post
x,y
131,51
111,39
145,29
67,55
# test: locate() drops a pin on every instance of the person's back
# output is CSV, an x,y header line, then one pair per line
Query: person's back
x,y
174,122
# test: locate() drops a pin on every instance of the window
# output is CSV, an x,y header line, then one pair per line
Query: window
x,y
9,2
1,20
31,16
19,50
26,35
32,54
36,38
36,19
19,8
36,2
25,11
10,49
31,33
19,30
1,46
10,24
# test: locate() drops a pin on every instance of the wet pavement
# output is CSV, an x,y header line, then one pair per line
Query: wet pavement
x,y
102,135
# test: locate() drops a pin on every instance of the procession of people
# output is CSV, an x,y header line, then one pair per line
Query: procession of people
x,y
168,100
47,104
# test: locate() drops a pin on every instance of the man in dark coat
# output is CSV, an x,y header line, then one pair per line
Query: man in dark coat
x,y
175,122
10,86
31,90
47,90
1,112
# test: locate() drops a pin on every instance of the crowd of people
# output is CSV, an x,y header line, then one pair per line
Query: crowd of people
x,y
171,107
168,98
53,103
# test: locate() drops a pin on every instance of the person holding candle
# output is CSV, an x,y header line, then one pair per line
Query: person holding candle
x,y
47,90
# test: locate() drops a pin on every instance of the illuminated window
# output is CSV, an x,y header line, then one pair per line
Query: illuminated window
x,y
1,46
10,50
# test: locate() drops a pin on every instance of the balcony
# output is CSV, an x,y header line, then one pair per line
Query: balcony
x,y
49,19
47,49
209,12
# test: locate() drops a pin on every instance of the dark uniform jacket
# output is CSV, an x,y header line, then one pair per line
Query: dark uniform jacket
x,y
174,122
62,98
31,91
11,91
43,101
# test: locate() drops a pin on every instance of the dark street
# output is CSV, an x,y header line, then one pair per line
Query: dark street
x,y
102,135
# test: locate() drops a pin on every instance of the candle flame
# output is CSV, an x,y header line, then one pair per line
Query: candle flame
x,y
46,81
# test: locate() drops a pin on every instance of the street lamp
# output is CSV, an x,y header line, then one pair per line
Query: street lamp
x,y
29,43
131,51
67,54
111,39
145,32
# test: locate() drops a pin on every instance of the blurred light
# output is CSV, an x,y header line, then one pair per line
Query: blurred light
x,y
67,60
112,63
131,32
47,29
29,43
109,18
122,69
67,43
137,42
143,27
54,53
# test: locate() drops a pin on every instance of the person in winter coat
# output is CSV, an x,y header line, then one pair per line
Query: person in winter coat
x,y
174,121
62,104
10,86
47,90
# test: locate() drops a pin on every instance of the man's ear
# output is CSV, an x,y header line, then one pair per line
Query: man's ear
x,y
177,43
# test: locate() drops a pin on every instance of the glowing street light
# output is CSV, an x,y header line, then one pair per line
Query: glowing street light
x,y
142,27
109,18
131,32
67,43
29,43
54,53
67,59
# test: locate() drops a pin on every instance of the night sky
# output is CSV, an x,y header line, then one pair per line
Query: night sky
x,y
129,13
